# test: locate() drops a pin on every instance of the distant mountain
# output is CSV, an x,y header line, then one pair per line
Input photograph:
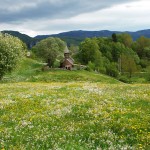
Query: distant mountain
x,y
75,37
137,34
80,34
103,33
25,38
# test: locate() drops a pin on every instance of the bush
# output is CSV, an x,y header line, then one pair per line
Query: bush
x,y
144,63
101,70
56,64
11,51
148,73
91,66
124,79
111,70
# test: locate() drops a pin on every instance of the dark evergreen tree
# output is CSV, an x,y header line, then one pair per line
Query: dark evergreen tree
x,y
114,37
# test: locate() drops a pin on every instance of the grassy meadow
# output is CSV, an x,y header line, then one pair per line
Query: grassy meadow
x,y
72,110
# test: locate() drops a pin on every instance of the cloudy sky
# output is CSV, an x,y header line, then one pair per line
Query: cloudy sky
x,y
34,17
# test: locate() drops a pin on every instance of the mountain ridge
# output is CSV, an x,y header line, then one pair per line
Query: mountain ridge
x,y
76,36
100,33
24,37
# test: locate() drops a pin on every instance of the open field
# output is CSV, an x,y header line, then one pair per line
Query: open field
x,y
74,115
71,110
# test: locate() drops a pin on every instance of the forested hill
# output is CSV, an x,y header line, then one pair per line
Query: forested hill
x,y
103,33
25,38
75,37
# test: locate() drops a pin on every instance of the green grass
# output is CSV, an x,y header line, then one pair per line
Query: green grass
x,y
76,115
139,77
72,110
30,71
25,70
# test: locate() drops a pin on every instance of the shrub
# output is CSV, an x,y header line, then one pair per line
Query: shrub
x,y
148,73
111,70
124,79
91,66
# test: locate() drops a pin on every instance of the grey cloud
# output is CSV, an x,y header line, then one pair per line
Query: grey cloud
x,y
19,10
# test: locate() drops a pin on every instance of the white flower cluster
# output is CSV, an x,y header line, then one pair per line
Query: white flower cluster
x,y
11,51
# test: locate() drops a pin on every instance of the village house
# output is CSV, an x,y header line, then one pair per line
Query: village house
x,y
68,62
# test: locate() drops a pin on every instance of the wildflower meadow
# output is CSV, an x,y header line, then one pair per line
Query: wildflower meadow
x,y
74,116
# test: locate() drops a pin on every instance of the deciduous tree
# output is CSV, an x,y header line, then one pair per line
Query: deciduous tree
x,y
11,51
128,64
89,51
126,39
49,49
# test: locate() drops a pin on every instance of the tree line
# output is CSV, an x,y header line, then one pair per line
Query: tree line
x,y
113,56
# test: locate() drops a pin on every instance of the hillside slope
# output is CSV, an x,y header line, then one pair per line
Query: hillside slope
x,y
29,41
30,70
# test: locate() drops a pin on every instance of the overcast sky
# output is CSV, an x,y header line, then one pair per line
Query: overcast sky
x,y
34,17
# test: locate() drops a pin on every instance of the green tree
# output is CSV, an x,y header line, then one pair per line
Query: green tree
x,y
49,49
111,69
11,51
90,66
74,51
117,49
105,47
128,64
89,51
144,63
148,73
126,39
146,53
143,45
114,37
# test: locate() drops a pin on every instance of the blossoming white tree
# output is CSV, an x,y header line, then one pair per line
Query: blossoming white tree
x,y
11,51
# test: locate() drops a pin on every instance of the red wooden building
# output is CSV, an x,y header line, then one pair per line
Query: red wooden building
x,y
68,62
